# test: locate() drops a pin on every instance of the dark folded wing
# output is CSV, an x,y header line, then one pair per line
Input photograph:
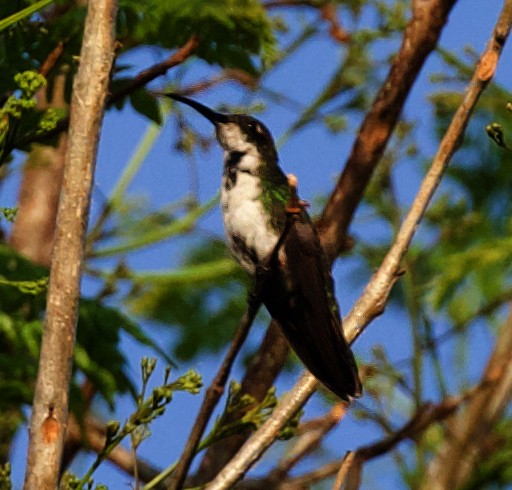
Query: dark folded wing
x,y
299,295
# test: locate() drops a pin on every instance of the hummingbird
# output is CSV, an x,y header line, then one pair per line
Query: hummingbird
x,y
285,262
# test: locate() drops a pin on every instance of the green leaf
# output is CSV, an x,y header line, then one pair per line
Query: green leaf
x,y
146,105
26,12
231,31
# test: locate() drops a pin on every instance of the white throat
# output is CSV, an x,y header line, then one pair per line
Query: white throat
x,y
250,235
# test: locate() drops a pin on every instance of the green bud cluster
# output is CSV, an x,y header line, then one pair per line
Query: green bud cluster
x,y
5,477
9,213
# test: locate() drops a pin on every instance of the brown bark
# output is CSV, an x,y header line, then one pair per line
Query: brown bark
x,y
420,38
34,227
50,407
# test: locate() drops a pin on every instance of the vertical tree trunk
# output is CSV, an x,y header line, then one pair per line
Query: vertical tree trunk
x,y
50,408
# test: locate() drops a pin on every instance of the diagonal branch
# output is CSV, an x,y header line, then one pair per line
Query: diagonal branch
x,y
156,70
420,38
374,297
141,79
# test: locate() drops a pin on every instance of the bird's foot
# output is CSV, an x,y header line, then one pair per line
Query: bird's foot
x,y
295,205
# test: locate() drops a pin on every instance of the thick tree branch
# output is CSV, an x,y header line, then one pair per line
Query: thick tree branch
x,y
50,408
420,38
373,300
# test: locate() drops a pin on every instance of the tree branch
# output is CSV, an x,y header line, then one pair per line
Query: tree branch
x,y
374,297
142,78
425,416
312,434
420,38
155,71
50,407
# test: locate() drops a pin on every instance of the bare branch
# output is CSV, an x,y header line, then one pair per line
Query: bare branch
x,y
52,59
50,407
426,415
311,435
141,79
373,300
157,70
420,38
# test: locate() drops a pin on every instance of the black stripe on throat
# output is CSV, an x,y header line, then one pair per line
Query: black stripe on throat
x,y
231,170
234,158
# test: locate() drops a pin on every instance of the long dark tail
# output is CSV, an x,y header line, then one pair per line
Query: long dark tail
x,y
299,295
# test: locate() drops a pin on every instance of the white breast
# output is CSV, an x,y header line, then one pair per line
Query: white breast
x,y
245,218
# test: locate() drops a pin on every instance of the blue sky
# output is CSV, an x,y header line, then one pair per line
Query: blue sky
x,y
316,157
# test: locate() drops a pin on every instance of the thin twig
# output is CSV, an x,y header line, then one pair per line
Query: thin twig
x,y
52,59
157,70
424,417
373,300
344,468
471,427
141,79
311,435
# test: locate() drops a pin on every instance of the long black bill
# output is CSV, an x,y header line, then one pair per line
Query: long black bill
x,y
211,115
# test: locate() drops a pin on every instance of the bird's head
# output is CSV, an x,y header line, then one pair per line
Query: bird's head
x,y
236,133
